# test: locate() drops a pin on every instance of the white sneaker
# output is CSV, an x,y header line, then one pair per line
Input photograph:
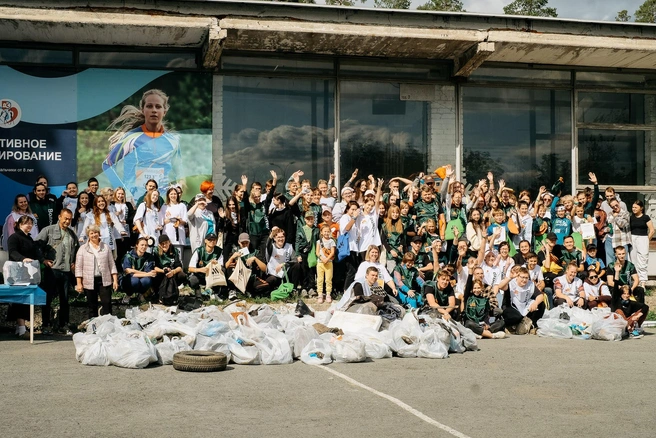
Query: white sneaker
x,y
499,335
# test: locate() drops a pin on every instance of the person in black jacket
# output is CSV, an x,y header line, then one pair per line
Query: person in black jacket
x,y
43,206
634,312
284,215
22,248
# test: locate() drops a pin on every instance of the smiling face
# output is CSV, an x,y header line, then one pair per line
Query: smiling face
x,y
40,191
373,255
101,203
140,247
22,204
120,195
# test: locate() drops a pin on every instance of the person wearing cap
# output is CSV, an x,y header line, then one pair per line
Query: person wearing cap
x,y
251,258
306,236
168,263
591,258
422,261
201,222
138,271
340,207
201,259
561,226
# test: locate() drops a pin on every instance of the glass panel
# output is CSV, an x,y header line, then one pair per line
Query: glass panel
x,y
616,157
395,70
521,135
379,133
526,76
36,56
277,65
139,59
279,124
620,80
611,108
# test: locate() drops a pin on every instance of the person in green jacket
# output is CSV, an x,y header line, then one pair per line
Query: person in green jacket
x,y
306,235
43,207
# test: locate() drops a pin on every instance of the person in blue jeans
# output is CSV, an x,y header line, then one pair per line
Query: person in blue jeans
x,y
408,282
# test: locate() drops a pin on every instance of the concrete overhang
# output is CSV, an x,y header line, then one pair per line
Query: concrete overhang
x,y
115,28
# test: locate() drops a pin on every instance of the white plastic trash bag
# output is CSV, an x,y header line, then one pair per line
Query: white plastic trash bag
x,y
317,352
610,328
168,347
374,345
274,348
468,337
218,343
131,350
404,336
301,337
348,349
554,328
431,347
90,349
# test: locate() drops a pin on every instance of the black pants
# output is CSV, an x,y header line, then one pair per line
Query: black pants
x,y
49,286
351,264
293,273
512,316
105,294
62,283
496,326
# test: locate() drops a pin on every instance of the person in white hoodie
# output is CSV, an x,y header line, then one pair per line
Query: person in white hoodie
x,y
523,302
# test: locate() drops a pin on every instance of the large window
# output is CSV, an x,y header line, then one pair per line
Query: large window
x,y
379,133
522,135
277,124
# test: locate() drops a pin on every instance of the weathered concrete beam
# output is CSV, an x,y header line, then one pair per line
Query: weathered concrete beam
x,y
473,58
213,46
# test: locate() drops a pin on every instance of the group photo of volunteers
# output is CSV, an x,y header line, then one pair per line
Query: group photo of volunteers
x,y
493,258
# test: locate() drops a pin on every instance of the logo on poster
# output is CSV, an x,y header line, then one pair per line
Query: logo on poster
x,y
10,113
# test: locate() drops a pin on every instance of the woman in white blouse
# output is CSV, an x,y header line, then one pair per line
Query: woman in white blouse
x,y
147,219
173,216
106,221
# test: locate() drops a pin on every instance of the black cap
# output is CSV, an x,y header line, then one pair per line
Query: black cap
x,y
552,236
211,236
164,238
417,239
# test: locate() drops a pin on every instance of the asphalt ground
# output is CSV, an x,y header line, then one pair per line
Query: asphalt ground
x,y
523,386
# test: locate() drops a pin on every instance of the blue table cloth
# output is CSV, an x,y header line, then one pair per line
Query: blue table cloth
x,y
30,295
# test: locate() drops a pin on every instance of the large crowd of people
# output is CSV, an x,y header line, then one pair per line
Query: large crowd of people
x,y
494,258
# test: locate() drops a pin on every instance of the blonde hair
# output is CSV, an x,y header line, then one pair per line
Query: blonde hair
x,y
132,117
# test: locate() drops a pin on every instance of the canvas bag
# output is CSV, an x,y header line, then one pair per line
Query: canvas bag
x,y
240,275
215,276
284,290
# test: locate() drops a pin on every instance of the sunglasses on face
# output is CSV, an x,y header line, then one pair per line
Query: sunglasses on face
x,y
593,277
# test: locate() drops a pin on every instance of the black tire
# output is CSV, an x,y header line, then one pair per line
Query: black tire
x,y
199,361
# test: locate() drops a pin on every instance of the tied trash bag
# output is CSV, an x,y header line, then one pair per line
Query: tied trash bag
x,y
90,349
274,348
348,349
468,337
610,328
217,343
554,328
301,337
404,336
168,347
131,350
317,352
374,345
431,347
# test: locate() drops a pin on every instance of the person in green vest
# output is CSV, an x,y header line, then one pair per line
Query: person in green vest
x,y
201,261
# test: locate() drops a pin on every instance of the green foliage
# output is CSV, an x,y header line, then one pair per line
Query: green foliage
x,y
623,16
534,8
651,316
646,13
392,4
477,164
443,5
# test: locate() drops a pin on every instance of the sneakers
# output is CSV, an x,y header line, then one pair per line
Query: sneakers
x,y
524,326
126,300
635,334
232,295
499,335
312,293
320,299
46,331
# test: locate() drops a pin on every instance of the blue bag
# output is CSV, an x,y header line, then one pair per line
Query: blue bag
x,y
343,250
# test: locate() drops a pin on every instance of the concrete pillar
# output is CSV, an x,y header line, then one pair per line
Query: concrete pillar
x,y
443,127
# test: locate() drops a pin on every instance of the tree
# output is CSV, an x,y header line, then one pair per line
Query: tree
x,y
443,5
534,8
392,4
646,13
623,16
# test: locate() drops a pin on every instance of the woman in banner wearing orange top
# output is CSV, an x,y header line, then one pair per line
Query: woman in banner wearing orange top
x,y
141,148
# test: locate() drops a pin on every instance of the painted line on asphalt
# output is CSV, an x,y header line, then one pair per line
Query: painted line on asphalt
x,y
397,402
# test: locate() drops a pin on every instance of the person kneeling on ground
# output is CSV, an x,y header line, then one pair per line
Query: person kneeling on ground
x,y
626,305
364,296
477,315
251,260
199,265
279,257
597,293
568,288
408,282
169,264
523,302
439,297
138,271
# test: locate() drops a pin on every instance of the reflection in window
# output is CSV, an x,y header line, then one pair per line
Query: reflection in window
x,y
616,157
379,133
286,122
36,56
620,80
526,76
277,64
139,59
387,69
611,108
522,136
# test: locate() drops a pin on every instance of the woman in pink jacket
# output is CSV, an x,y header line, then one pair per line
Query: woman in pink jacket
x,y
95,272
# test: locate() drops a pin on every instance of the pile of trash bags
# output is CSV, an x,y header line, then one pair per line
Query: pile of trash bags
x,y
260,334
563,322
